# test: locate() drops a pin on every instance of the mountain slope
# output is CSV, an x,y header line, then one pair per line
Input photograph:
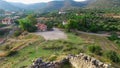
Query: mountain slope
x,y
65,4
29,7
50,6
104,4
7,6
54,5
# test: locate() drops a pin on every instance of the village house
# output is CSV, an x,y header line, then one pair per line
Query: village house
x,y
64,22
7,21
16,17
41,27
61,12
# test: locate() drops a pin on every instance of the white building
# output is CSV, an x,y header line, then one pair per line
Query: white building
x,y
61,12
64,22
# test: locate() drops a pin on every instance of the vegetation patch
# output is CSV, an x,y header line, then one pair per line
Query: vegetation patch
x,y
54,50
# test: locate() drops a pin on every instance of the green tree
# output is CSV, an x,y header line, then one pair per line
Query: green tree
x,y
71,25
25,24
114,36
49,25
32,19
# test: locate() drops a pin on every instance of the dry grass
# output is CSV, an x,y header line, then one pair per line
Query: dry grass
x,y
101,41
15,44
3,54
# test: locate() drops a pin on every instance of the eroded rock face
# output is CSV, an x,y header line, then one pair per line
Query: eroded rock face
x,y
78,61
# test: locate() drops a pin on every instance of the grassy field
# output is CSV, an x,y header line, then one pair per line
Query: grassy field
x,y
31,47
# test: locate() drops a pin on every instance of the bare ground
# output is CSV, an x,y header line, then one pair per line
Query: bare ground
x,y
53,35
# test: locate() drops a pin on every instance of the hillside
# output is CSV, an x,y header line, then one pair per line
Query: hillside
x,y
49,6
31,47
7,6
104,4
66,4
62,4
29,7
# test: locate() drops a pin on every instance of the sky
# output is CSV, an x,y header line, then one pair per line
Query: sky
x,y
32,1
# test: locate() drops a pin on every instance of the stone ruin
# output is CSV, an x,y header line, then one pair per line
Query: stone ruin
x,y
85,61
78,61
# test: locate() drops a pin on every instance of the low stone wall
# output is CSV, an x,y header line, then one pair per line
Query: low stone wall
x,y
79,61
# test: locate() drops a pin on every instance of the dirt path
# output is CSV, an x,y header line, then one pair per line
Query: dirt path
x,y
104,35
101,40
52,35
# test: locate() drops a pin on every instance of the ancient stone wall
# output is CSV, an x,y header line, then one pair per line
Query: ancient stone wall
x,y
79,61
85,61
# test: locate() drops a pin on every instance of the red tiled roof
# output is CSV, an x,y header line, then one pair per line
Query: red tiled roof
x,y
41,26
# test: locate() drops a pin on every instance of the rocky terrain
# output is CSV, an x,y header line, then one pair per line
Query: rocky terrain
x,y
78,61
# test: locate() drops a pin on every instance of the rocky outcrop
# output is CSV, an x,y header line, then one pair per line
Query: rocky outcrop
x,y
40,64
79,61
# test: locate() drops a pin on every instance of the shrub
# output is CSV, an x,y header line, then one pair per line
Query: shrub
x,y
95,49
61,26
94,28
12,53
2,25
113,36
49,25
52,58
69,48
17,33
4,32
113,56
52,47
6,47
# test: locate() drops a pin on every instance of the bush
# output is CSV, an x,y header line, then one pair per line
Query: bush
x,y
12,53
94,28
69,48
52,58
6,47
113,56
61,26
113,36
49,25
17,33
2,25
95,49
4,32
52,47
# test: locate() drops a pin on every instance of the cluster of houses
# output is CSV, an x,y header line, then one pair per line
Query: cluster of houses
x,y
8,20
40,26
7,13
